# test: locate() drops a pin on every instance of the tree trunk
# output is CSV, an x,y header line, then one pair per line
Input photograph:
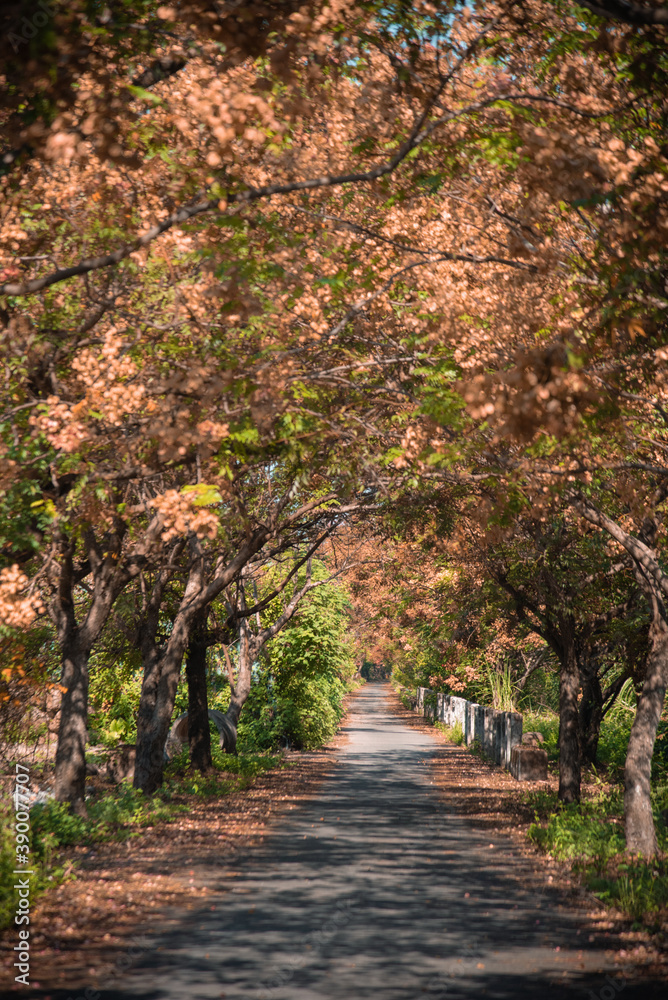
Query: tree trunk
x,y
70,775
569,743
640,832
162,667
149,761
153,728
199,738
590,713
241,690
152,663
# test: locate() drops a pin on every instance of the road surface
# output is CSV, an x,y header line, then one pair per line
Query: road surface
x,y
374,889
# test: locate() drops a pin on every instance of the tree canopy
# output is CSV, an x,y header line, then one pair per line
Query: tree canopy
x,y
273,272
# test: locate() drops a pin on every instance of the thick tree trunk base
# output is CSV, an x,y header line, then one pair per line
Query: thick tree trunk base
x,y
70,771
569,730
199,737
149,764
639,821
639,827
591,717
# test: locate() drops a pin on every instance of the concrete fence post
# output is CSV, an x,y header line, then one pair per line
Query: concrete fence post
x,y
459,713
496,732
498,736
513,734
465,721
471,727
488,732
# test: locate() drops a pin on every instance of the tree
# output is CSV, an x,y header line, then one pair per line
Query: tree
x,y
553,597
372,241
653,582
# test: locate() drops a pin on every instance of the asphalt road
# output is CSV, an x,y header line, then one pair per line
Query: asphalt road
x,y
374,889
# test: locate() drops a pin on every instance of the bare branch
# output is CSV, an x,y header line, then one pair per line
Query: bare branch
x,y
628,13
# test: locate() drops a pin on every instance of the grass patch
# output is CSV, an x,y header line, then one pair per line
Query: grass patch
x,y
639,890
547,723
454,733
591,836
590,831
230,772
117,815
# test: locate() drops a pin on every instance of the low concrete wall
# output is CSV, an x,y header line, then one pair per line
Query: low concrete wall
x,y
496,732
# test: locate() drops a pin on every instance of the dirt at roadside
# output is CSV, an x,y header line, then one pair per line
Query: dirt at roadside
x,y
461,777
83,930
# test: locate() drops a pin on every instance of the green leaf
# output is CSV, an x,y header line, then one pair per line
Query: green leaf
x,y
203,494
145,95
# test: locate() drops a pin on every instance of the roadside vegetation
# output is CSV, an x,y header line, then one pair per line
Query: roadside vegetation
x,y
116,814
589,835
295,702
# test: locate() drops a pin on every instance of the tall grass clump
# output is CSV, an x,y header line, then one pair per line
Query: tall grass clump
x,y
502,689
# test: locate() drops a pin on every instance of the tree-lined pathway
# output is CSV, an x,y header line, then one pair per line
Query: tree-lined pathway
x,y
375,889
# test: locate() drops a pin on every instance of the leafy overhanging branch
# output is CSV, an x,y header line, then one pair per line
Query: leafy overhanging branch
x,y
419,134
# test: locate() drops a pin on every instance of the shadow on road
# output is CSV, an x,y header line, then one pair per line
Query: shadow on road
x,y
374,890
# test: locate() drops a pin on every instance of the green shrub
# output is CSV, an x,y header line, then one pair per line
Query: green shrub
x,y
586,831
310,710
297,694
261,725
115,688
638,889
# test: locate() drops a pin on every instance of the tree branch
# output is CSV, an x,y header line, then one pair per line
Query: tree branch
x,y
418,134
628,13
